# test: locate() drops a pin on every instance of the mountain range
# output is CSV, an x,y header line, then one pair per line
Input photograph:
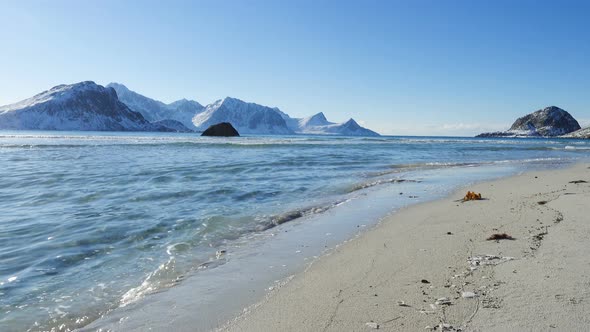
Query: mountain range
x,y
87,106
152,110
247,118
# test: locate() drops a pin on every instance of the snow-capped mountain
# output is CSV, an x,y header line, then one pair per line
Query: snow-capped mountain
x,y
83,106
547,122
247,118
348,128
89,106
318,125
154,110
316,120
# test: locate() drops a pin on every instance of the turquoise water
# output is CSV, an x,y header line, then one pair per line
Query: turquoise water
x,y
94,221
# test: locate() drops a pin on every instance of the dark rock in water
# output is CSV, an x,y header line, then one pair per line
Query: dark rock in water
x,y
496,134
547,122
224,129
550,121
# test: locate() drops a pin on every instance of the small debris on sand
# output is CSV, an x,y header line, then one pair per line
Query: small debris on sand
x,y
449,233
475,261
372,325
424,281
468,295
542,202
472,196
220,253
499,236
443,301
445,327
402,304
578,181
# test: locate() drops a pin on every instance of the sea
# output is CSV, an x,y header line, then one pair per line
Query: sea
x,y
99,230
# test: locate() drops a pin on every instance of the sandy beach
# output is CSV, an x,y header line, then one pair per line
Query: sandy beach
x,y
430,266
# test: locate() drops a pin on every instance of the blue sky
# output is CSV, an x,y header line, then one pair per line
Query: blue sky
x,y
398,67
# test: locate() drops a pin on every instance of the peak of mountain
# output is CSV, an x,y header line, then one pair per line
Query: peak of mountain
x,y
318,119
546,122
349,128
80,106
118,87
247,118
185,103
318,124
148,107
185,108
351,123
154,110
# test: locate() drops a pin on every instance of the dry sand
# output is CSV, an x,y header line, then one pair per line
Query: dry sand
x,y
392,276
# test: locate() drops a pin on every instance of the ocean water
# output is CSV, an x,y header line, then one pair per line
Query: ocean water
x,y
93,222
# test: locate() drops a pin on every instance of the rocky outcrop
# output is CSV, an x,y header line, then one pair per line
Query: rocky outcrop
x,y
547,122
497,134
224,129
84,106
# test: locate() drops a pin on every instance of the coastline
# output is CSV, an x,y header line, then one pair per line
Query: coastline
x,y
392,275
246,274
176,251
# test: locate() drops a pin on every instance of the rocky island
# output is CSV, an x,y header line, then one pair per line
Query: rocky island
x,y
224,129
550,121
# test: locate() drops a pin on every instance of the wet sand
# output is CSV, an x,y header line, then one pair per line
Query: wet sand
x,y
430,266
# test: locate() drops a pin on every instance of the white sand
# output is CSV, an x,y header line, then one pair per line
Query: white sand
x,y
545,287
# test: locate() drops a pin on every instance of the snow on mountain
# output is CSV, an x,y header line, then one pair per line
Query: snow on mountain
x,y
348,128
318,125
88,106
247,118
153,110
173,125
314,125
81,106
581,133
547,122
314,121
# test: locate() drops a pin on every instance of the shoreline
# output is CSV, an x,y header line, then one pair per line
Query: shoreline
x,y
208,299
409,273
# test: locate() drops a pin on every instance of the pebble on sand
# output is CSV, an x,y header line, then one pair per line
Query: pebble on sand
x,y
372,325
468,295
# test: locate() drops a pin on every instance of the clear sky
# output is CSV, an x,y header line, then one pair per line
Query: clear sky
x,y
398,67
